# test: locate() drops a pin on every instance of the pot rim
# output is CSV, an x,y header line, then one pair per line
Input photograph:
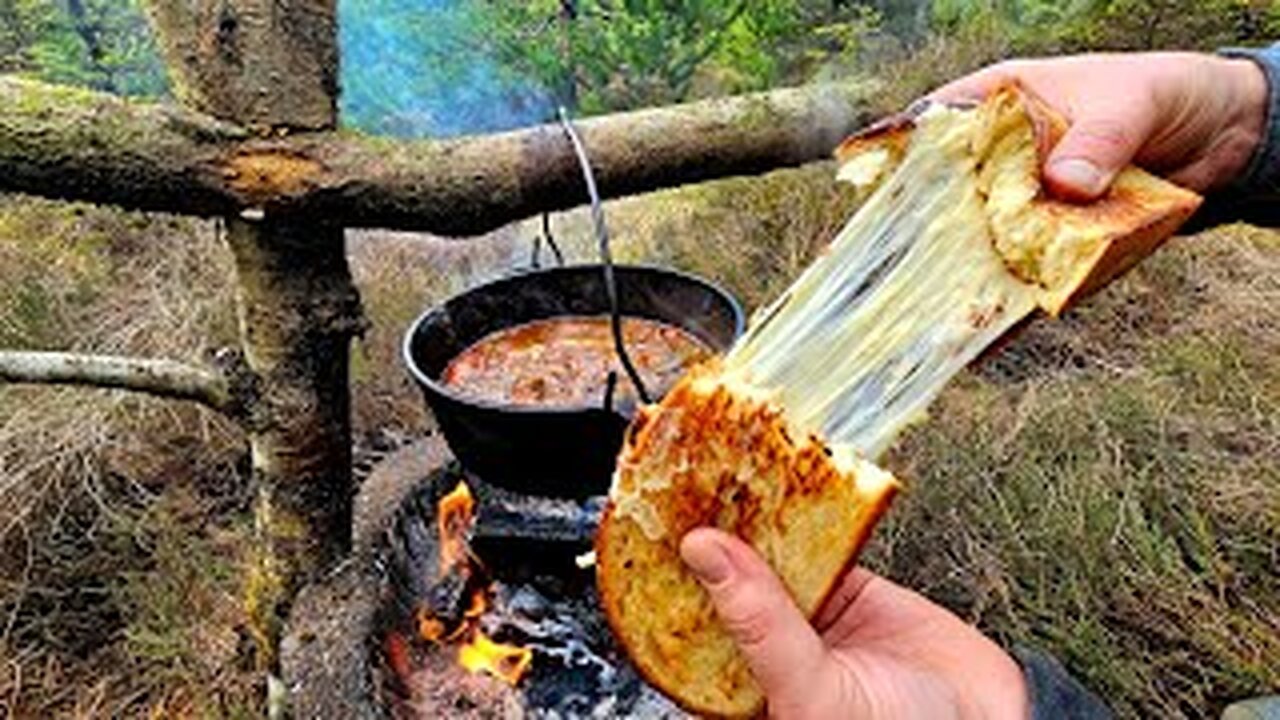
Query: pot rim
x,y
406,345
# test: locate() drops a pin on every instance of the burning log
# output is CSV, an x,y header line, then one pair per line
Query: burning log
x,y
455,520
448,606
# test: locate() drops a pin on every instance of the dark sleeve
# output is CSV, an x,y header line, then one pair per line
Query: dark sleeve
x,y
1053,693
1255,196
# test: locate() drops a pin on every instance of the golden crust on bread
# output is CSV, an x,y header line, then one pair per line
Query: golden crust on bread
x,y
1068,249
717,453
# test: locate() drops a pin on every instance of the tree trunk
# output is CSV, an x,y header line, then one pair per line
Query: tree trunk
x,y
73,144
266,64
298,310
272,65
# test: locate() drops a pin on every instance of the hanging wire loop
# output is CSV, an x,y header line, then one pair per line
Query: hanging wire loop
x,y
606,256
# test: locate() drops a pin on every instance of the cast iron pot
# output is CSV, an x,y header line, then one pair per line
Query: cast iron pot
x,y
561,452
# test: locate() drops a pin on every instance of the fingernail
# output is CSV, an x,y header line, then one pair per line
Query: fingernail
x,y
707,559
1080,174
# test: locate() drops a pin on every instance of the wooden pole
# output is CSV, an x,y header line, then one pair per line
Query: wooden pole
x,y
162,378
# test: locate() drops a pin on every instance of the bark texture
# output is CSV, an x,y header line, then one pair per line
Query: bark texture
x,y
298,311
267,64
163,378
79,145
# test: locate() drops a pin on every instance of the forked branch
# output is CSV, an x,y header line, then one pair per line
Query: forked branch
x,y
163,378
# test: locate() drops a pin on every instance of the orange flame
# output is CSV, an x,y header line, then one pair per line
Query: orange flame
x,y
454,518
477,607
483,655
429,626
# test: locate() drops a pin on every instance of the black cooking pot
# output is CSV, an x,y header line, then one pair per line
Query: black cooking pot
x,y
564,452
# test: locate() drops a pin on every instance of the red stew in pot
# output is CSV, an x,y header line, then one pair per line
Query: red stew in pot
x,y
565,361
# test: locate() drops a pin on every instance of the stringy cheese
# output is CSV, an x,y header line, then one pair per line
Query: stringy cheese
x,y
911,290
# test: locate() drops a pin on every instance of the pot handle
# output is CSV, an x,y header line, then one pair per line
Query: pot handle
x,y
606,256
535,258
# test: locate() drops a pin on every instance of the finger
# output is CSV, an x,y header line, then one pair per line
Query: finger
x,y
972,87
1201,176
850,587
784,652
1098,144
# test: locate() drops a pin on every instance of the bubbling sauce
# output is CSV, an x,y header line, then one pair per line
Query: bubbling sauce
x,y
565,361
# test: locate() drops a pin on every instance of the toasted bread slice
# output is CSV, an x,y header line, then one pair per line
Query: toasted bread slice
x,y
1068,249
716,452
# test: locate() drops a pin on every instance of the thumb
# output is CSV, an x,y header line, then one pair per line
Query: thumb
x,y
1094,149
786,656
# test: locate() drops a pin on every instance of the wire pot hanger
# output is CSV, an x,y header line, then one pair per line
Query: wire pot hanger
x,y
606,260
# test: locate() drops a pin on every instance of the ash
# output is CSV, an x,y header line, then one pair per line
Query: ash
x,y
577,672
538,597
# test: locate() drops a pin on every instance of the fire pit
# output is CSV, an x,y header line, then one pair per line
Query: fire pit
x,y
465,597
470,601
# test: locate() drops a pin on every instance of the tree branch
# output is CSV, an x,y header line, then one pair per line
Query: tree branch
x,y
82,145
164,378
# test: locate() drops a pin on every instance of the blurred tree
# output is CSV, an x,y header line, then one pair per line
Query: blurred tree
x,y
1045,26
441,67
601,55
421,67
102,44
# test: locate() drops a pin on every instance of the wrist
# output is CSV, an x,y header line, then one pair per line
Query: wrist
x,y
1247,141
1014,699
1249,102
998,689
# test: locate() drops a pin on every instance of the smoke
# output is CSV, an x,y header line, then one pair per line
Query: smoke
x,y
418,68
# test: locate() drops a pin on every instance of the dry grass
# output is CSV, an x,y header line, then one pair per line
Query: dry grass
x,y
93,482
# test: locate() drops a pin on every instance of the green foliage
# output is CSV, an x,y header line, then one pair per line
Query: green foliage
x,y
600,56
102,44
1045,26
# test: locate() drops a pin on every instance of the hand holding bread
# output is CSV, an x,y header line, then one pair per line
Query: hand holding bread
x,y
778,615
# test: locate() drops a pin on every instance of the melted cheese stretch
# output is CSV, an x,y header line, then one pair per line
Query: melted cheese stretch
x,y
910,291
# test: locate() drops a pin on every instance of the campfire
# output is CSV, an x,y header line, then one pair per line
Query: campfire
x,y
478,653
487,612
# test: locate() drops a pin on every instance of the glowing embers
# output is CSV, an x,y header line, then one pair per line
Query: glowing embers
x,y
478,653
482,655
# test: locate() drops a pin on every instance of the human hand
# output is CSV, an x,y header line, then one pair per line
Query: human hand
x,y
874,650
1194,118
